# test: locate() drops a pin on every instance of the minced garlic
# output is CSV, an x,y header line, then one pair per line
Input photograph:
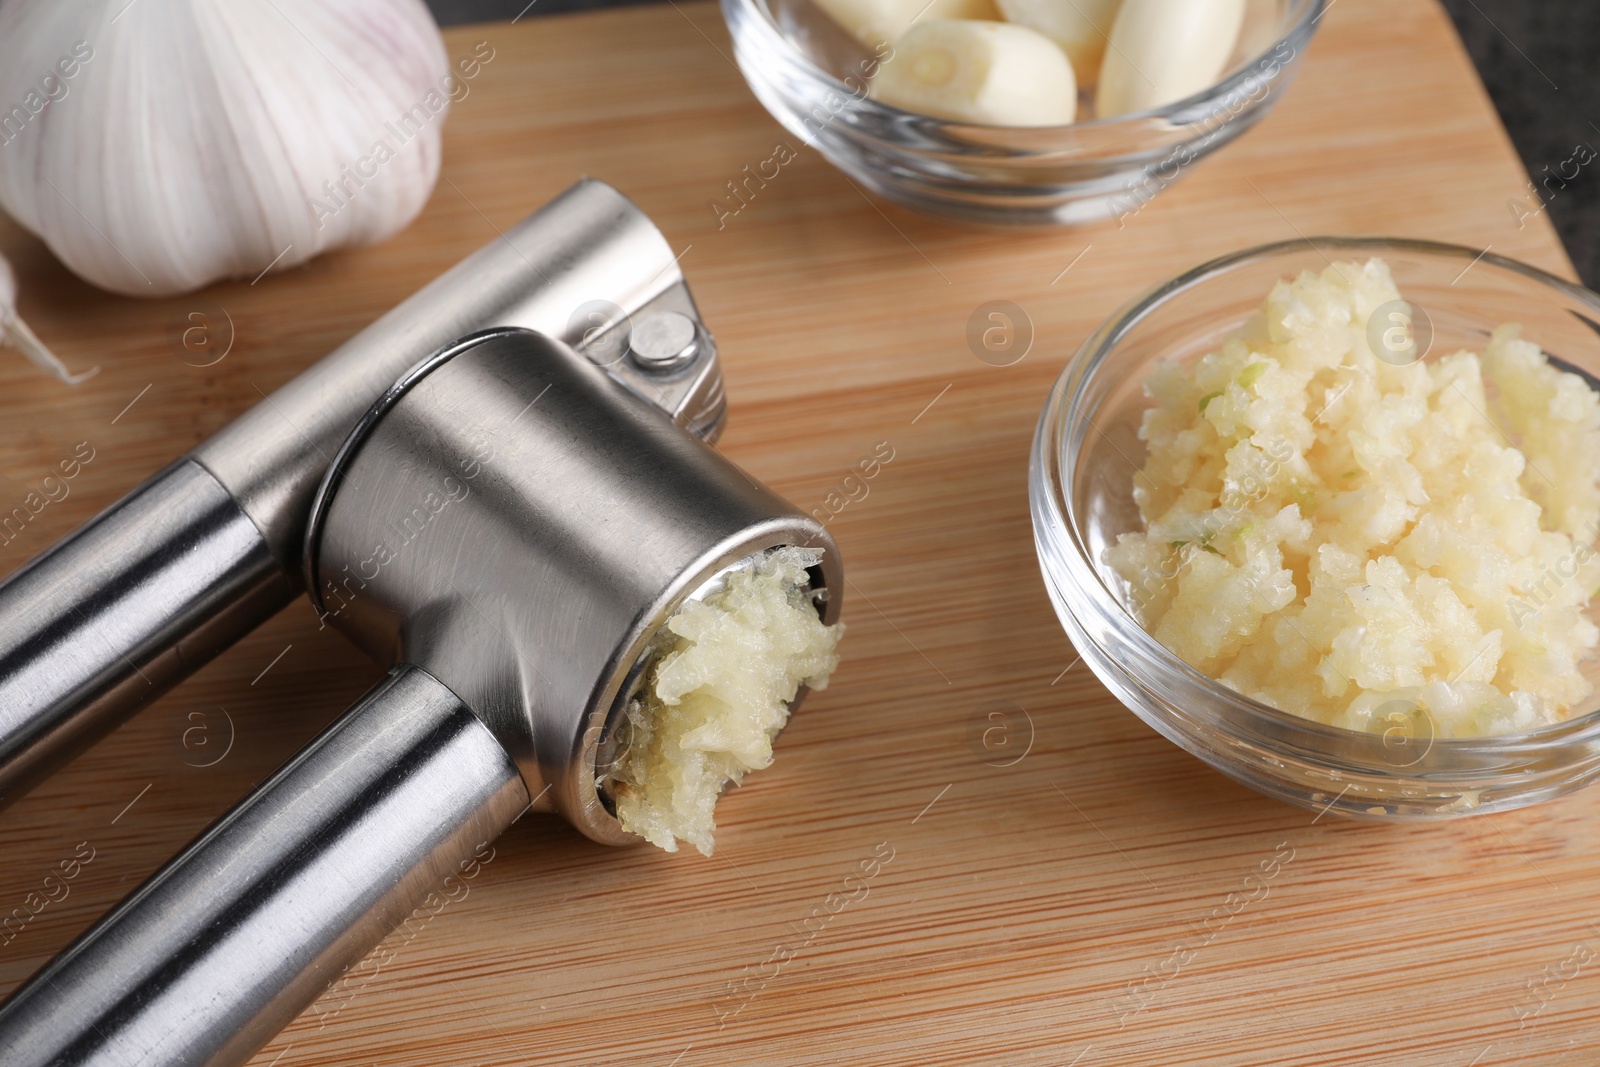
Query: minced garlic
x,y
1339,537
714,702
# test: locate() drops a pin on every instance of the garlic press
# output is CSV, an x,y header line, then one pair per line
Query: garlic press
x,y
511,526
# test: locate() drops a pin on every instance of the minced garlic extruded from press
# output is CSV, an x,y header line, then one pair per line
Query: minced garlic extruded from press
x,y
1330,534
714,702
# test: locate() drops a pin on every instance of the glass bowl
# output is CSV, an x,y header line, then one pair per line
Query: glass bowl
x,y
1080,485
812,76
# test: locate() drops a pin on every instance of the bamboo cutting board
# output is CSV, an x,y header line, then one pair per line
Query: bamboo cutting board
x,y
1016,892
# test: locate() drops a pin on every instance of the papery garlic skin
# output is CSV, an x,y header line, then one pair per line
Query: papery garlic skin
x,y
14,333
8,295
194,142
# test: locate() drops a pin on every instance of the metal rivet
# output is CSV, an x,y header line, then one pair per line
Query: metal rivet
x,y
664,340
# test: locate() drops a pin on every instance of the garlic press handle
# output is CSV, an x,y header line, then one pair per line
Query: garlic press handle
x,y
121,611
267,908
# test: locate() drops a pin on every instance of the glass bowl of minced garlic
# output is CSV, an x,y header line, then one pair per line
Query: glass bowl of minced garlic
x,y
1325,514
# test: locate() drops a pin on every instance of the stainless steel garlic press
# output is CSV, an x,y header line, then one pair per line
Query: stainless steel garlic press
x,y
510,525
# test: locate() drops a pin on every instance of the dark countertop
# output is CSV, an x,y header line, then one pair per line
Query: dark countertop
x,y
1539,58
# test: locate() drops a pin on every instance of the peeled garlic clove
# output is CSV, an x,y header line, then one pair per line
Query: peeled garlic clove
x,y
161,145
1164,50
983,72
14,333
1080,28
879,23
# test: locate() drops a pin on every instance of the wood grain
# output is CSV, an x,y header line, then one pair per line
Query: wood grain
x,y
1021,901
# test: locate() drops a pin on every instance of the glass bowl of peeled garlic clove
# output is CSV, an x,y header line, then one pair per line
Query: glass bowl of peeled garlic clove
x,y
1030,112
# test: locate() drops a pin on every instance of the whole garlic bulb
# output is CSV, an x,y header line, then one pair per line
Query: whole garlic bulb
x,y
160,145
